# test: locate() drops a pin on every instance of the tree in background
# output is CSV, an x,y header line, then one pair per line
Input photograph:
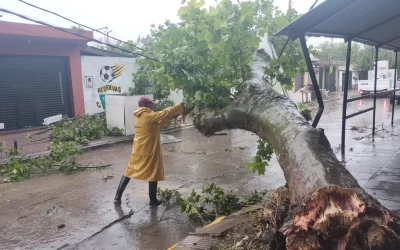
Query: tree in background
x,y
362,56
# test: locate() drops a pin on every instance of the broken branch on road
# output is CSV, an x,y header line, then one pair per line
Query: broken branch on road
x,y
131,212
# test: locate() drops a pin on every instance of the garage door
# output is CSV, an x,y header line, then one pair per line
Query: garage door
x,y
31,89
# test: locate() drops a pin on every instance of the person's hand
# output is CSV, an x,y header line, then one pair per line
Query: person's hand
x,y
186,110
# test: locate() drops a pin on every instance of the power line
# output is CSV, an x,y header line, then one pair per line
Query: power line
x,y
75,34
87,27
312,6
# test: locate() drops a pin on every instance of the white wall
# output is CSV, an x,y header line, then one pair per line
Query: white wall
x,y
120,112
99,87
94,94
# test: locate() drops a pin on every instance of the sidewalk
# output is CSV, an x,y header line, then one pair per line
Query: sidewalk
x,y
376,168
39,144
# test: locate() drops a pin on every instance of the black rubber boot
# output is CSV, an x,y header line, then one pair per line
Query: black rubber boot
x,y
121,188
153,194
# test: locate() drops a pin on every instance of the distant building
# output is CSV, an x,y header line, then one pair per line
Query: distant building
x,y
329,81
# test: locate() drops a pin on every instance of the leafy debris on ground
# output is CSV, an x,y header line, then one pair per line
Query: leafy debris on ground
x,y
358,129
83,128
210,203
106,177
62,157
54,210
66,137
260,230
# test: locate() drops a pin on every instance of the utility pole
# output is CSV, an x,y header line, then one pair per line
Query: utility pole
x,y
290,5
108,37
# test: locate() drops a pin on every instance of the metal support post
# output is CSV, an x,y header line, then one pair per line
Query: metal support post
x,y
346,87
313,80
394,87
284,46
376,82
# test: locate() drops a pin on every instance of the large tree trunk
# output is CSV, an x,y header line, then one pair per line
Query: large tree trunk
x,y
329,209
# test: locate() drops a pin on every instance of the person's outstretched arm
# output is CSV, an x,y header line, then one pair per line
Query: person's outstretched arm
x,y
165,114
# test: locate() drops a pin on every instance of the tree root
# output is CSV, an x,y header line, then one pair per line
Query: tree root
x,y
337,218
333,218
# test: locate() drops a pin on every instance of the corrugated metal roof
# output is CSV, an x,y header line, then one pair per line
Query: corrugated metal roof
x,y
372,22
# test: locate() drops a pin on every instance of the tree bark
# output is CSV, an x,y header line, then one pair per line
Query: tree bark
x,y
328,208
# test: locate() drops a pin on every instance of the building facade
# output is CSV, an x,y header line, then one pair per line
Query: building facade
x,y
40,74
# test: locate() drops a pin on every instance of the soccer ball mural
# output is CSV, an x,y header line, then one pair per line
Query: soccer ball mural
x,y
109,73
106,74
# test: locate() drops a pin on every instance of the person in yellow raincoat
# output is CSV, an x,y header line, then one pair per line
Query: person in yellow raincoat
x,y
145,162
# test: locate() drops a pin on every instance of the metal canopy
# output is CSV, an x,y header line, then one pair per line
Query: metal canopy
x,y
372,22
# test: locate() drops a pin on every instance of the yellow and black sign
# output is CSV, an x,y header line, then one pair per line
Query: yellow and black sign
x,y
109,73
118,70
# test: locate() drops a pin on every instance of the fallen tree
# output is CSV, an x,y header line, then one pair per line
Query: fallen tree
x,y
328,208
210,53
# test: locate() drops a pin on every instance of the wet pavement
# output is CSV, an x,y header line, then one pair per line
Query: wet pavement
x,y
69,211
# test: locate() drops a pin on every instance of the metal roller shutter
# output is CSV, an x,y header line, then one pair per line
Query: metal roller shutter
x,y
31,89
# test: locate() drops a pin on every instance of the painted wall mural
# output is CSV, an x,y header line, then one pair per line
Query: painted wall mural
x,y
108,74
105,76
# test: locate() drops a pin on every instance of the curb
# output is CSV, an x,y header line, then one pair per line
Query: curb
x,y
94,145
85,148
212,233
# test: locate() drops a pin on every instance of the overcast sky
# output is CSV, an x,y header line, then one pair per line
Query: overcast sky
x,y
127,18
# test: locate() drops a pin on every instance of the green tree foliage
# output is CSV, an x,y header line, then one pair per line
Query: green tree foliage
x,y
128,45
209,53
76,27
362,56
261,160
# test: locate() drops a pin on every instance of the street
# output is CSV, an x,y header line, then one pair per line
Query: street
x,y
55,210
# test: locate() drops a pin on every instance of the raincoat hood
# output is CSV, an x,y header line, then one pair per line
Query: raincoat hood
x,y
141,110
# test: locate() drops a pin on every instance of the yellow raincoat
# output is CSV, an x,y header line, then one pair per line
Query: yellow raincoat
x,y
145,162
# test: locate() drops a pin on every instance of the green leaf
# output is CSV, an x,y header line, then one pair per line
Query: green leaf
x,y
287,81
182,11
213,11
284,59
268,71
289,87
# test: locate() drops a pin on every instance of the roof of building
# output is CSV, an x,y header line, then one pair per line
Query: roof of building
x,y
40,31
372,22
93,51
